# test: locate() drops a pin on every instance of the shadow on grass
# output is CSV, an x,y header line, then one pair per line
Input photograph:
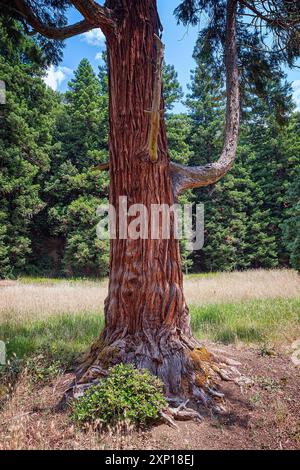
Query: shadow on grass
x,y
240,333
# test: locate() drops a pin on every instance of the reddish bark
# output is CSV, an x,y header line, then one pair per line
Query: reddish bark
x,y
147,319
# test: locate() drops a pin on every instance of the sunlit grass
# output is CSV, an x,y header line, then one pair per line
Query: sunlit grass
x,y
62,337
64,317
66,336
257,321
27,280
41,298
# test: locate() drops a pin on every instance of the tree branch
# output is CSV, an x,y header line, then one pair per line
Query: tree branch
x,y
50,32
100,20
101,167
96,14
270,19
193,177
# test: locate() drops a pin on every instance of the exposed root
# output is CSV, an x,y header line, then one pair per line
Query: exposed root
x,y
216,394
166,419
187,370
187,415
201,397
179,413
182,413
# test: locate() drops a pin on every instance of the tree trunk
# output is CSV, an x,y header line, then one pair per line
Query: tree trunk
x,y
147,321
146,318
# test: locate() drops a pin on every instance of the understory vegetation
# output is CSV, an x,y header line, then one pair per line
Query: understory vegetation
x,y
45,336
64,337
126,395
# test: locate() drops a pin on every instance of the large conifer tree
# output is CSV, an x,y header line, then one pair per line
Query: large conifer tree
x,y
26,120
146,317
74,189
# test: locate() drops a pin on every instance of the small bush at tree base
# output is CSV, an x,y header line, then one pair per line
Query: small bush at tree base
x,y
126,395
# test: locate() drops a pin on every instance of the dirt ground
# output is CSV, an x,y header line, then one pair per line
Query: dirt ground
x,y
262,415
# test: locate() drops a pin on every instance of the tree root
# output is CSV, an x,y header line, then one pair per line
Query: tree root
x,y
166,419
186,368
180,413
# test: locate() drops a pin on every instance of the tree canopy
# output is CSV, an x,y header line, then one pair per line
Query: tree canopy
x,y
48,185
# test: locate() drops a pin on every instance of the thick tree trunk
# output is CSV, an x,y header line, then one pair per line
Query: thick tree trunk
x,y
147,321
146,316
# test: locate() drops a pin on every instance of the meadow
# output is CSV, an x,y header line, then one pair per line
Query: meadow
x,y
252,317
63,317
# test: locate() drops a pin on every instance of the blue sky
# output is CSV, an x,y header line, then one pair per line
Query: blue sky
x,y
179,43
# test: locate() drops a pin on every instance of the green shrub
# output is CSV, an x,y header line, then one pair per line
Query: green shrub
x,y
126,395
42,369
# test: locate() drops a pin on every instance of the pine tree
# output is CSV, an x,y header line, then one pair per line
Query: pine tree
x,y
291,223
272,168
74,189
147,322
25,143
86,136
236,221
172,90
291,227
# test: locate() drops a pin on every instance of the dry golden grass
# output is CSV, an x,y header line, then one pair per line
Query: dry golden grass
x,y
28,420
242,286
37,301
58,320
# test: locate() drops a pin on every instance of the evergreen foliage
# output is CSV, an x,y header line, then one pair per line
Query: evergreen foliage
x,y
243,210
50,144
125,395
27,120
73,189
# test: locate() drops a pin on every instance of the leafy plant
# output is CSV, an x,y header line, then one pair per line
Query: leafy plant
x,y
42,370
126,395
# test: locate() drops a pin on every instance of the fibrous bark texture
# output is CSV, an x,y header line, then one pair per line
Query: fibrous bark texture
x,y
147,321
146,316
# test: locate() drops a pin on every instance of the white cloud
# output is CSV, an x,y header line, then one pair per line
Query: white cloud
x,y
56,75
98,56
95,37
296,88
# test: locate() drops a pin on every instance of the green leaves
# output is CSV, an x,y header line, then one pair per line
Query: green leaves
x,y
263,46
72,189
242,209
171,87
291,226
125,395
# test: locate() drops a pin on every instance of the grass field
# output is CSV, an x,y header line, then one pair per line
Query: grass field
x,y
253,316
63,317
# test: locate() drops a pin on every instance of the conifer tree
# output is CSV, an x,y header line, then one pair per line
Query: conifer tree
x,y
272,166
147,320
27,118
291,215
239,210
74,189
